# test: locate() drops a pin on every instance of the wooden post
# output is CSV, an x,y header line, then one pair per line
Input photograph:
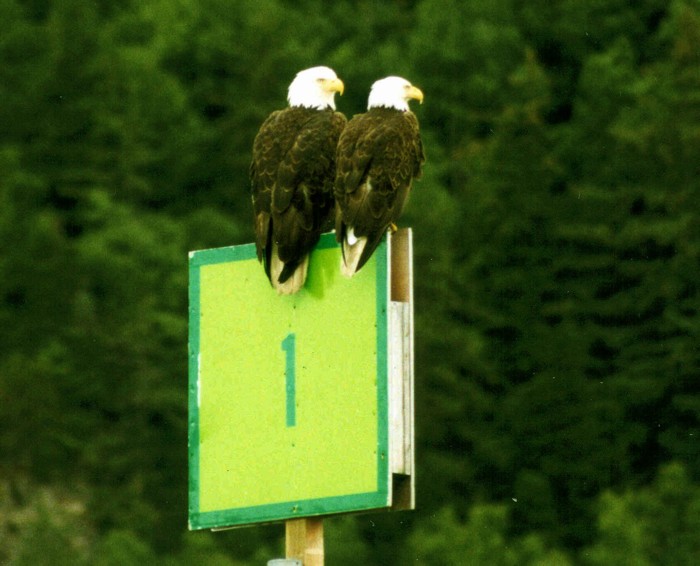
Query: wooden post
x,y
304,540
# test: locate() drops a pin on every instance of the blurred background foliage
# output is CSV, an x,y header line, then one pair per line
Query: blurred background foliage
x,y
557,258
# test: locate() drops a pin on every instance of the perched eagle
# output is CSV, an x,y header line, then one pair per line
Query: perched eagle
x,y
379,154
292,174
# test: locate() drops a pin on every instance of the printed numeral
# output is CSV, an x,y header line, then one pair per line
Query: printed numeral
x,y
289,348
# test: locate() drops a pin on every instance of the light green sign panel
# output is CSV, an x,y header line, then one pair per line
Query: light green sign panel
x,y
288,409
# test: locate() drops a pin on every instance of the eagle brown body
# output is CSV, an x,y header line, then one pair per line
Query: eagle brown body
x,y
292,175
379,154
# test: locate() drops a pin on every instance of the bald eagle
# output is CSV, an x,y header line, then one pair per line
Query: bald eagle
x,y
379,154
292,174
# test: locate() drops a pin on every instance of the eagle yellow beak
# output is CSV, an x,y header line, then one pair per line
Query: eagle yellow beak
x,y
415,93
335,85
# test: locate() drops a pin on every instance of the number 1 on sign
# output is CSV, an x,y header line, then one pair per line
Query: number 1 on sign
x,y
289,347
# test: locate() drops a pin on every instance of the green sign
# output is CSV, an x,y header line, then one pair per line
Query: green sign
x,y
288,395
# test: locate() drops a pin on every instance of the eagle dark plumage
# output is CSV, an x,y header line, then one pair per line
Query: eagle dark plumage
x,y
292,174
379,154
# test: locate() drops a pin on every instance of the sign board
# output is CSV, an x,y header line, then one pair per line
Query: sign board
x,y
299,405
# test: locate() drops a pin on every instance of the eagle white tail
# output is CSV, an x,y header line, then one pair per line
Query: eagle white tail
x,y
352,252
295,282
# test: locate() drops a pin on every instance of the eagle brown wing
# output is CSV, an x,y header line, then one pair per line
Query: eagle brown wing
x,y
263,171
294,183
379,154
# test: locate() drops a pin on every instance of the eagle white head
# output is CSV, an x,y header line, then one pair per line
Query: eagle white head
x,y
393,92
315,88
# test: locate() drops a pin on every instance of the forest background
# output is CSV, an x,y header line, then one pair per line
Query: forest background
x,y
557,260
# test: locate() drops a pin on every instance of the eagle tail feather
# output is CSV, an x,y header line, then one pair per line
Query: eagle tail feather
x,y
284,280
353,248
295,281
